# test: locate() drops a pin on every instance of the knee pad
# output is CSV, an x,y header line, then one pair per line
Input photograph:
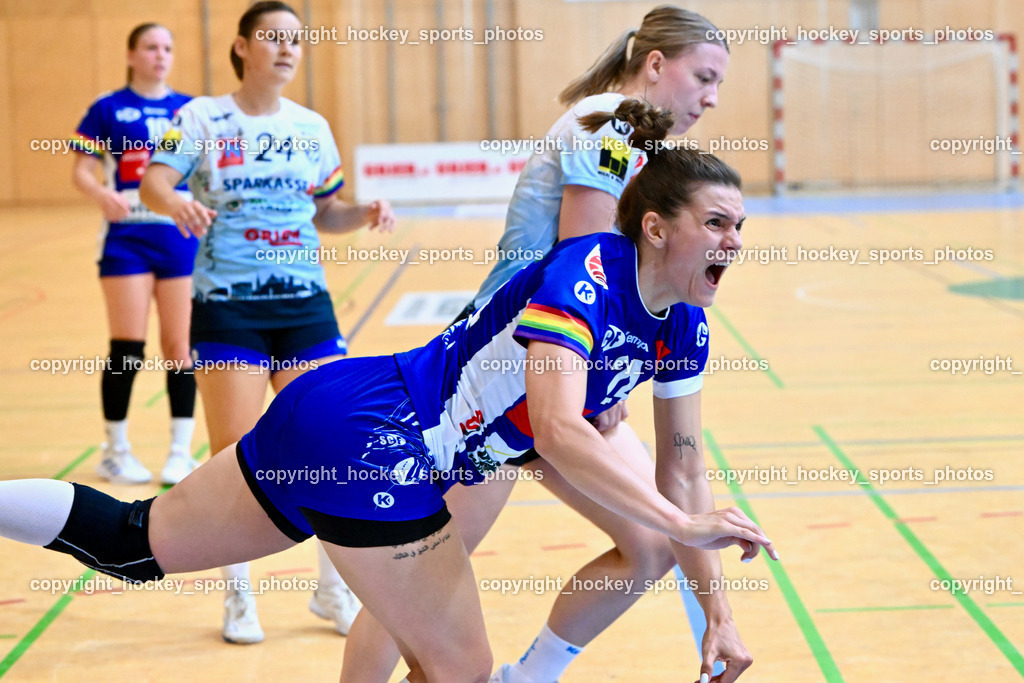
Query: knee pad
x,y
109,536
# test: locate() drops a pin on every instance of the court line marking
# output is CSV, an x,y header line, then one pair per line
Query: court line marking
x,y
380,297
803,618
840,610
33,635
55,611
156,397
746,346
879,442
346,294
997,637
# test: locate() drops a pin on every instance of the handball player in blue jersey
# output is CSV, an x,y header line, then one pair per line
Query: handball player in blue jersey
x,y
264,172
142,255
360,452
657,79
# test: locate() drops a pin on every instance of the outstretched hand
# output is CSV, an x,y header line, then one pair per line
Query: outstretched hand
x,y
726,527
192,217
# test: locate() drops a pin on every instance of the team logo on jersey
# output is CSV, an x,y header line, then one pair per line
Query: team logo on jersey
x,y
127,114
383,499
641,159
621,127
593,263
613,338
614,157
400,472
702,334
585,292
231,152
171,141
473,424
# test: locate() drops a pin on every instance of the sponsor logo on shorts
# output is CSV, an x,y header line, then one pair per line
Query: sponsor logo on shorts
x,y
383,499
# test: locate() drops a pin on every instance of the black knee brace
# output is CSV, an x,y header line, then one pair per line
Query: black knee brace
x,y
109,536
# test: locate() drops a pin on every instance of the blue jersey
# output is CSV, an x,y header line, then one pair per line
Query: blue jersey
x,y
468,385
602,160
123,129
261,174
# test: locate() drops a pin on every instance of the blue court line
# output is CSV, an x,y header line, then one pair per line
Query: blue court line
x,y
694,613
380,297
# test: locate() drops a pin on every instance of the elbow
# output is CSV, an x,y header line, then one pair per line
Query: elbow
x,y
549,433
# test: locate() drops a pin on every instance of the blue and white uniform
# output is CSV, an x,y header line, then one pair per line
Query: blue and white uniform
x,y
396,432
602,160
122,129
258,267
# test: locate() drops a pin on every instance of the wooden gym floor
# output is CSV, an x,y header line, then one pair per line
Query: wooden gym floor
x,y
849,350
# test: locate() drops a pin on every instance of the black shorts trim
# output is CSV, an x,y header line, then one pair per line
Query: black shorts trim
x,y
527,457
370,533
279,520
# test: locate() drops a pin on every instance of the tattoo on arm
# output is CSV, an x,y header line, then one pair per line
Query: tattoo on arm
x,y
679,441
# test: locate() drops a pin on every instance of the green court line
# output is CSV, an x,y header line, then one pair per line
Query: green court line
x,y
75,463
346,293
839,610
991,630
796,606
156,397
1005,604
32,636
8,636
749,349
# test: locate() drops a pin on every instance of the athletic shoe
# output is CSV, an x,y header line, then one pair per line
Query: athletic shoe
x,y
241,625
335,603
179,465
119,466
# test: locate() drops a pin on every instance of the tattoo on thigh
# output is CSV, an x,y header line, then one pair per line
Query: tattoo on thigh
x,y
419,547
679,441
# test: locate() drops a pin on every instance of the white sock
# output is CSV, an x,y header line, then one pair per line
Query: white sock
x,y
181,433
34,510
545,660
237,576
117,433
329,575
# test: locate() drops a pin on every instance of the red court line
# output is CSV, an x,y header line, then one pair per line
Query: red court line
x,y
484,553
1008,513
835,525
563,546
905,520
12,602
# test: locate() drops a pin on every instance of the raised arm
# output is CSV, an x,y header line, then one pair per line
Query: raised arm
x,y
157,192
680,476
555,400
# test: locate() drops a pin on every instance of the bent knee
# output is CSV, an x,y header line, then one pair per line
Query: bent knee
x,y
648,555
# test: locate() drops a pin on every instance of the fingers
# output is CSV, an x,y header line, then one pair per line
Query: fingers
x,y
749,531
380,216
195,218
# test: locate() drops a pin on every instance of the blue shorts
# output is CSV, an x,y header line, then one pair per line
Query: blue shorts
x,y
339,454
133,248
312,333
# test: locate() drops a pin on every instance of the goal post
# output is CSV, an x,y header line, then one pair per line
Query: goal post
x,y
886,113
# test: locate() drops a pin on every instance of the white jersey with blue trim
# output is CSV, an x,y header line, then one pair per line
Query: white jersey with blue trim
x,y
260,174
468,385
602,160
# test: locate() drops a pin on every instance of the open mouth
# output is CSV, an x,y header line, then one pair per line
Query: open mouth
x,y
714,272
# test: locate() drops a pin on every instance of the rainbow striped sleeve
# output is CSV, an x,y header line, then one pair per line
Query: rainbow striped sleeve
x,y
331,185
547,324
84,143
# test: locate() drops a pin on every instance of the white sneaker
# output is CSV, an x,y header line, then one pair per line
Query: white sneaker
x,y
179,465
335,603
119,466
241,625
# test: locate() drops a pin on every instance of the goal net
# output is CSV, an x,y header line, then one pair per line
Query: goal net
x,y
898,113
